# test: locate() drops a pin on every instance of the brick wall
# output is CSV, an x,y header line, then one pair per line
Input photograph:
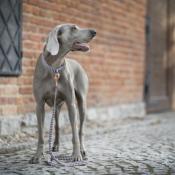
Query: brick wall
x,y
115,65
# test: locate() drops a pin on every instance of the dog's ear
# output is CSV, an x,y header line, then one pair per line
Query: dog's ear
x,y
52,43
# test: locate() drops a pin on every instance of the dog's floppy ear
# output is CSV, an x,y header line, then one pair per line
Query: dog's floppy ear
x,y
52,44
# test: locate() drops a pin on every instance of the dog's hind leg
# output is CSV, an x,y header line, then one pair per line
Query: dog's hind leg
x,y
82,113
57,134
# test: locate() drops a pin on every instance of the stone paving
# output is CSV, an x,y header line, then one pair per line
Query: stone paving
x,y
134,146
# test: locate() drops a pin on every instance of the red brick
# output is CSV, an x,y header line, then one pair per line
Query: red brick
x,y
25,81
25,90
11,90
9,109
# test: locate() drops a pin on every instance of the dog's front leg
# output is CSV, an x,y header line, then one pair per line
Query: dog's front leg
x,y
56,144
75,138
73,120
40,112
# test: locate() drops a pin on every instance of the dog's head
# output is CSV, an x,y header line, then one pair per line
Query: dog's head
x,y
69,37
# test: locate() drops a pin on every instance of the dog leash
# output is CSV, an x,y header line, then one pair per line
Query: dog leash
x,y
53,159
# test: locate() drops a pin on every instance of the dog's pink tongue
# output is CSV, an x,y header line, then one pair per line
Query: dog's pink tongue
x,y
80,47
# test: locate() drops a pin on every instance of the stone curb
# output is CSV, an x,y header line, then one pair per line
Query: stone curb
x,y
17,147
14,124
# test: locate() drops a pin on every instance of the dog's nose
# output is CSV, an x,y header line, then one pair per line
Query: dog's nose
x,y
93,32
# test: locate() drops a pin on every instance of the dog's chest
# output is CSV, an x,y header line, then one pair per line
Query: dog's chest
x,y
50,94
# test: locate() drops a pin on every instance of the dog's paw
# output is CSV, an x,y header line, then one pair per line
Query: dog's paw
x,y
35,160
76,157
55,148
84,154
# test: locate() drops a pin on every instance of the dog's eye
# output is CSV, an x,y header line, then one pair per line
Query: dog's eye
x,y
73,28
60,32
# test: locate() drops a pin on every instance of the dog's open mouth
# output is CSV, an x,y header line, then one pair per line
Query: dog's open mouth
x,y
77,46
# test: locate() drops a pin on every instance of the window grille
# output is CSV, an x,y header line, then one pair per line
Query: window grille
x,y
10,37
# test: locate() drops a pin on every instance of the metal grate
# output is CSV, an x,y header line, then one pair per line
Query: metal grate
x,y
10,37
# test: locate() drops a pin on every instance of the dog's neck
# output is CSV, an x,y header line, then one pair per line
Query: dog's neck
x,y
55,60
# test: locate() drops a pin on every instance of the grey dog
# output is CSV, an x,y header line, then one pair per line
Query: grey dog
x,y
72,85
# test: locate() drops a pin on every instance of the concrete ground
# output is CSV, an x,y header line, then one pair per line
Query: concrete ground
x,y
131,146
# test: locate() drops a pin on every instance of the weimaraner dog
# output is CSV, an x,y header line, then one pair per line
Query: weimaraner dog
x,y
72,84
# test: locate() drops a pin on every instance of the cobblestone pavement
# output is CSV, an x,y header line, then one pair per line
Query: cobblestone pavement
x,y
134,146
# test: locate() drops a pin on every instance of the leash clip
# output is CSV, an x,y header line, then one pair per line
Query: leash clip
x,y
56,78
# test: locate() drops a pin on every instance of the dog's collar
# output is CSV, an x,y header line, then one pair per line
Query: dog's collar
x,y
52,69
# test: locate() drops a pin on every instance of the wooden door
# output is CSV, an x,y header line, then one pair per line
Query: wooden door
x,y
156,84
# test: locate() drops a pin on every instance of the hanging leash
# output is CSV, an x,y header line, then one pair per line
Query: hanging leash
x,y
53,158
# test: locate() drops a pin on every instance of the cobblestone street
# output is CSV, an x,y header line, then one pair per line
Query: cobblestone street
x,y
132,146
